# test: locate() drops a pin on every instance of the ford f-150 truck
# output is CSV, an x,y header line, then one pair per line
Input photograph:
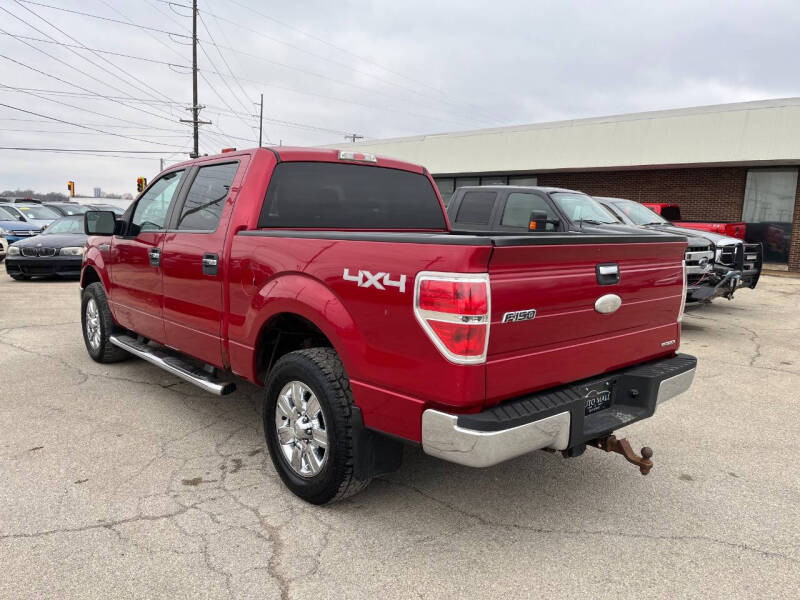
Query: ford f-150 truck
x,y
672,212
333,279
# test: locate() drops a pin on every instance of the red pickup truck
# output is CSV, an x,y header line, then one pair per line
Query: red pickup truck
x,y
333,279
672,212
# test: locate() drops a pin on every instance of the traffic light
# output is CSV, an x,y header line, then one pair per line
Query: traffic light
x,y
71,188
141,183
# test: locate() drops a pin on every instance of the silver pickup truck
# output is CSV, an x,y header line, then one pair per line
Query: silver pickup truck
x,y
716,265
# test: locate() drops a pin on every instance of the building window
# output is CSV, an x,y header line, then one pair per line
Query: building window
x,y
768,210
446,185
494,180
465,181
522,180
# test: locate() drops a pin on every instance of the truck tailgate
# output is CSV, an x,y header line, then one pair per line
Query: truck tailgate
x,y
568,339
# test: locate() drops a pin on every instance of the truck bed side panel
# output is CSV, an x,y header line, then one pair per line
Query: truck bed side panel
x,y
374,330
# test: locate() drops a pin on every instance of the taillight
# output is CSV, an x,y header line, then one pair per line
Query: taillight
x,y
454,311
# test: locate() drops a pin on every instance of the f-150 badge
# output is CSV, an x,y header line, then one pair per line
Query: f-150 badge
x,y
519,315
380,281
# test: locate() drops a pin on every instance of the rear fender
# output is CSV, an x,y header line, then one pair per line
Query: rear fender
x,y
314,301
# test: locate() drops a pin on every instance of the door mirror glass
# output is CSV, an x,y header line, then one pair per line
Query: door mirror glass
x,y
99,222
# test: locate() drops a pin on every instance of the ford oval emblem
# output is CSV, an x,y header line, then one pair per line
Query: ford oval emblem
x,y
607,304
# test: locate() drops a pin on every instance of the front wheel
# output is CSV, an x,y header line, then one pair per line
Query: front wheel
x,y
308,425
98,325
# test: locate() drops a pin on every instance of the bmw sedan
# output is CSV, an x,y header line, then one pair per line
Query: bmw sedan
x,y
58,250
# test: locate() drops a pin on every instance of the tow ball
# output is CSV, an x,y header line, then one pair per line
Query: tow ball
x,y
622,446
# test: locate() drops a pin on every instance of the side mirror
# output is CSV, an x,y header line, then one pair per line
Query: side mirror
x,y
538,221
99,222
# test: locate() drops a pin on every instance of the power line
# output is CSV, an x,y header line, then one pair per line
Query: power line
x,y
75,69
77,132
66,45
80,150
103,58
86,127
129,21
359,57
79,153
85,14
257,32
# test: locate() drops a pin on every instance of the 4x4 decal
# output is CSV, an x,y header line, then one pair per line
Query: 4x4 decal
x,y
380,281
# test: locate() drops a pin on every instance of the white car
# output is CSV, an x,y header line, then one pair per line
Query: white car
x,y
3,247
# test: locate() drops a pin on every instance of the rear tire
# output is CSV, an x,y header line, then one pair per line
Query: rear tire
x,y
314,392
98,325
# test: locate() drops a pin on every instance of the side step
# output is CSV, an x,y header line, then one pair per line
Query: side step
x,y
173,364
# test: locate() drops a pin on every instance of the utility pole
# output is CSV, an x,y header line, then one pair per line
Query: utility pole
x,y
195,108
261,120
353,137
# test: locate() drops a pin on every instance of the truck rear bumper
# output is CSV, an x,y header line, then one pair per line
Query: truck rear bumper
x,y
556,419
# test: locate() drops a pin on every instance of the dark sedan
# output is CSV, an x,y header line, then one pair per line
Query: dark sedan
x,y
56,251
66,209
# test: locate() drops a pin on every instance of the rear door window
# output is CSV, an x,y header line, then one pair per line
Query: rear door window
x,y
346,196
476,208
206,198
520,205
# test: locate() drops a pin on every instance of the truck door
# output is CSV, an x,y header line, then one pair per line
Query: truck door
x,y
136,294
193,261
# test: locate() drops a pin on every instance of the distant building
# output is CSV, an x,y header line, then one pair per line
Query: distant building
x,y
726,162
98,193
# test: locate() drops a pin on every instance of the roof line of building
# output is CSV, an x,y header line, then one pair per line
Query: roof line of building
x,y
639,116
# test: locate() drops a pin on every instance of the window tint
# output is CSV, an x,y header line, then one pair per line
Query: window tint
x,y
36,211
519,207
637,213
151,210
206,198
476,208
580,207
344,196
65,225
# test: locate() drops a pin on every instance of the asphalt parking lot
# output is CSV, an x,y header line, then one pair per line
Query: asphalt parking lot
x,y
120,481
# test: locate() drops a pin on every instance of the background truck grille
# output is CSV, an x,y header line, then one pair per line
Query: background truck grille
x,y
699,260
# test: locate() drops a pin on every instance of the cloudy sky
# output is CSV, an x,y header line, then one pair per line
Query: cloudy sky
x,y
377,69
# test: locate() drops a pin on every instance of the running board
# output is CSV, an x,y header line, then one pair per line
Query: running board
x,y
174,365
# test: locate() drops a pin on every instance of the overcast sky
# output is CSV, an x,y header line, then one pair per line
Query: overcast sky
x,y
378,69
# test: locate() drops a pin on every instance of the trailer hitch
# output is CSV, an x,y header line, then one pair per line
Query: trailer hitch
x,y
622,446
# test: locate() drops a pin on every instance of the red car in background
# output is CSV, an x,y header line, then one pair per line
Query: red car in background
x,y
672,212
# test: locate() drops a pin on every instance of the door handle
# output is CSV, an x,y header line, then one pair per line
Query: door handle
x,y
155,256
607,274
210,263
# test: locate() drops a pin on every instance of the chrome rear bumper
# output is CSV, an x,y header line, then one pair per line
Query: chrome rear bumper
x,y
554,420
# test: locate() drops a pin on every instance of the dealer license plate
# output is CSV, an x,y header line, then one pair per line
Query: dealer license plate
x,y
597,396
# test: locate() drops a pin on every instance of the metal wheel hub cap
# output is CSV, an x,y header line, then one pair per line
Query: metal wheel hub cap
x,y
301,428
93,324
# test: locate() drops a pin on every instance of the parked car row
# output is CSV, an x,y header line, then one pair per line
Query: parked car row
x,y
716,265
23,222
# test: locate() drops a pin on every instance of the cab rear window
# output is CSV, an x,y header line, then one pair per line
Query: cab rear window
x,y
345,196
